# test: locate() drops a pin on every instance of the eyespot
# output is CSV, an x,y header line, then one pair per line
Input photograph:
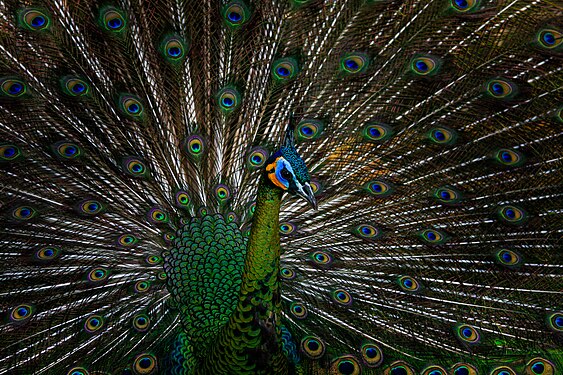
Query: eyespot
x,y
372,355
256,157
378,188
142,286
549,38
112,19
434,370
467,334
342,297
173,48
313,347
228,99
354,63
144,364
73,86
464,6
442,136
47,253
508,258
34,19
157,216
464,369
447,195
367,231
285,69
98,274
90,207
134,167
66,150
316,187
346,364
555,321
309,129
509,157
512,214
93,323
399,368
377,132
9,153
409,284
130,106
251,208
78,371
182,199
127,240
322,258
424,65
162,276
21,313
287,228
287,274
222,193
433,236
194,146
23,213
153,259
540,366
141,322
501,88
236,13
298,310
12,87
202,211
503,370
231,217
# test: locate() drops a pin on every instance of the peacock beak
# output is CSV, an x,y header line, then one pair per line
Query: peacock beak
x,y
306,193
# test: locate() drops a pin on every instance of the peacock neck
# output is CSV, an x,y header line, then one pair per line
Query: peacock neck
x,y
250,342
263,253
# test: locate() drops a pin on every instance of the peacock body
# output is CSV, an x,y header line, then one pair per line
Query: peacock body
x,y
145,148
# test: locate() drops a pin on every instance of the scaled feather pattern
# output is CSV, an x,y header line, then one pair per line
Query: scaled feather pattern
x,y
146,148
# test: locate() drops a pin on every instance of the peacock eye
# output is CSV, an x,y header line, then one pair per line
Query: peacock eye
x,y
34,19
372,355
12,87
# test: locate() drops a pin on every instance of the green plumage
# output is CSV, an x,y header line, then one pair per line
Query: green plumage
x,y
145,152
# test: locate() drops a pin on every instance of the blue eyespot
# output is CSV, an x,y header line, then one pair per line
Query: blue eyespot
x,y
33,19
115,23
9,152
351,64
283,71
422,66
236,13
174,51
461,4
12,87
112,19
15,89
234,16
501,88
550,38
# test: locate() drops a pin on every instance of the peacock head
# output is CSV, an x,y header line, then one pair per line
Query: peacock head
x,y
286,170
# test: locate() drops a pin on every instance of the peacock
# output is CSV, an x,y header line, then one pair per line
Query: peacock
x,y
146,149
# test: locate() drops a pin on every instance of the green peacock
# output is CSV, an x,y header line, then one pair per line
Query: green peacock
x,y
146,148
